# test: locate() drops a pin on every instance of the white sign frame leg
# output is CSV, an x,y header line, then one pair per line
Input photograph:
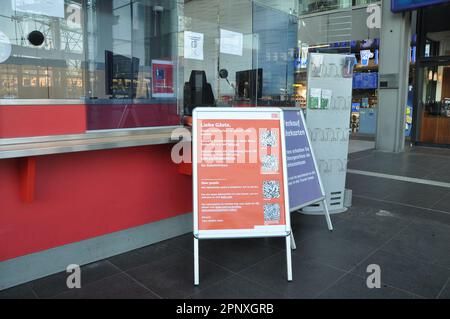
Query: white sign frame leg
x,y
196,263
293,245
289,256
327,217
290,245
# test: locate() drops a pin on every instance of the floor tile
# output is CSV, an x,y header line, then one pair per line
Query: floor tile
x,y
425,240
354,287
445,293
19,292
118,286
440,175
332,251
184,242
443,204
50,286
408,274
236,287
142,256
368,208
366,232
235,254
172,276
417,194
356,146
309,278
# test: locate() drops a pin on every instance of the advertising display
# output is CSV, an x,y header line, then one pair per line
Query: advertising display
x,y
365,80
240,175
303,179
328,126
162,75
304,182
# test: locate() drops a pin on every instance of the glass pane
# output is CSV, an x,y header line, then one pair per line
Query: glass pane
x,y
436,29
132,58
200,52
276,35
311,6
435,100
237,46
325,32
51,68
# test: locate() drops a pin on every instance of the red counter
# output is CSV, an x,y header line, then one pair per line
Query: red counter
x,y
87,194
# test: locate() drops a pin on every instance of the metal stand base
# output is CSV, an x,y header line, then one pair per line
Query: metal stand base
x,y
313,211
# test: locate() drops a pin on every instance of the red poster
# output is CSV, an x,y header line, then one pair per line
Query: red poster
x,y
162,79
240,177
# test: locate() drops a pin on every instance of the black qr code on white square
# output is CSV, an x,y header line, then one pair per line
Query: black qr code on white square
x,y
269,163
268,138
271,189
271,212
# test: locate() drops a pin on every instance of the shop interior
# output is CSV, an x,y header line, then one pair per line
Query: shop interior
x,y
433,96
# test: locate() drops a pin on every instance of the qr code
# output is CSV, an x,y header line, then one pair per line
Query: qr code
x,y
269,163
268,138
271,189
271,212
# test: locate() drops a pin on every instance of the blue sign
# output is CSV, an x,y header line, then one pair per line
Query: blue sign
x,y
408,5
303,177
365,80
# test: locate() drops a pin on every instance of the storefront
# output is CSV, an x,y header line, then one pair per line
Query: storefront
x,y
90,94
341,27
432,97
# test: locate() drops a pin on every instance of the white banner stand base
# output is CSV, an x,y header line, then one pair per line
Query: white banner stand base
x,y
319,211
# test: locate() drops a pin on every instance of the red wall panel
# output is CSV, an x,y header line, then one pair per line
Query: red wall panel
x,y
88,194
35,120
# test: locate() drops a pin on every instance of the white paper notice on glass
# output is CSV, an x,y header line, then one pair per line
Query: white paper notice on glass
x,y
5,47
51,8
193,45
231,42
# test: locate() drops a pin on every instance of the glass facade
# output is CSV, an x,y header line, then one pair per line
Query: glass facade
x,y
52,70
147,63
139,63
432,96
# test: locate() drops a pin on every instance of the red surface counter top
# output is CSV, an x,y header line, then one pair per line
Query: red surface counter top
x,y
88,194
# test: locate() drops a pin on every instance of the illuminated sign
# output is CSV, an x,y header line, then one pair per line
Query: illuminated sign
x,y
407,5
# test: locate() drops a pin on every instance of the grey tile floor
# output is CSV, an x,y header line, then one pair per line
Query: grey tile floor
x,y
403,227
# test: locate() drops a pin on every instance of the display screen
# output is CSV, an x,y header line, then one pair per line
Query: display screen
x,y
365,80
407,5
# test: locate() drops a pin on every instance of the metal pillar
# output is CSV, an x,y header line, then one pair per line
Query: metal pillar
x,y
394,72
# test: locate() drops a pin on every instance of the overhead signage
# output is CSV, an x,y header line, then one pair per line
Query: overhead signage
x,y
408,5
